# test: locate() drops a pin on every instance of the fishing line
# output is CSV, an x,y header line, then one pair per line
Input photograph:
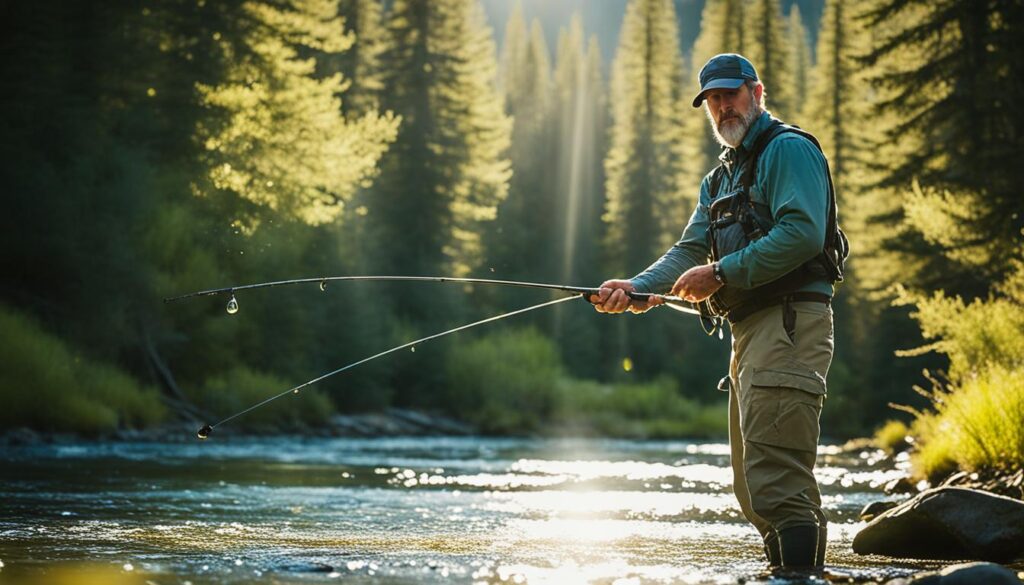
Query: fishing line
x,y
207,429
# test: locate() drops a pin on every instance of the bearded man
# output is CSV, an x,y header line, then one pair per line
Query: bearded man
x,y
763,249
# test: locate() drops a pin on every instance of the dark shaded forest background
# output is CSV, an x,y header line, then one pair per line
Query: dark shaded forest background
x,y
155,148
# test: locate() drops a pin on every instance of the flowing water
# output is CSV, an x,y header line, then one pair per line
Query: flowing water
x,y
401,510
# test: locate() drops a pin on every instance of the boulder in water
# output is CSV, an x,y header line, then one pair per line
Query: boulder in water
x,y
948,523
875,508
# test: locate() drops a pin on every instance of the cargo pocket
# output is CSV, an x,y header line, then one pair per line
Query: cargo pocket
x,y
783,408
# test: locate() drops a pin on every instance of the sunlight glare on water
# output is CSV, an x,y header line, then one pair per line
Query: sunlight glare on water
x,y
415,510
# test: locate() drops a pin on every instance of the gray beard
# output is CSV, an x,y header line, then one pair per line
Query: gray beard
x,y
731,132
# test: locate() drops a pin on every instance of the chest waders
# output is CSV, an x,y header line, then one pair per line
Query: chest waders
x,y
736,221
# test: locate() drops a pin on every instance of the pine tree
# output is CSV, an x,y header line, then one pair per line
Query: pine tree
x,y
800,63
449,170
580,193
645,162
722,30
361,64
513,55
520,246
946,74
837,103
769,47
275,135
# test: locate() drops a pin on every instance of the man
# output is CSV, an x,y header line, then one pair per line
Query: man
x,y
772,245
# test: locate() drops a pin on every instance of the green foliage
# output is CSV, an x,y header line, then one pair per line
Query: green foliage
x,y
526,229
722,30
241,387
977,418
891,435
770,48
652,410
975,336
504,382
361,64
275,135
49,386
108,134
648,175
800,63
443,182
513,382
978,424
953,138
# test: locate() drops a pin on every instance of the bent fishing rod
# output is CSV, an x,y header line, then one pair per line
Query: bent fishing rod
x,y
671,301
582,292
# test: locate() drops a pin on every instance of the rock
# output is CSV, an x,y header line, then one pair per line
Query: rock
x,y
964,574
948,523
875,508
22,436
303,567
900,485
431,424
395,422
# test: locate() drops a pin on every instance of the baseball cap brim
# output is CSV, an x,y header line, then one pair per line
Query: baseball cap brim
x,y
726,83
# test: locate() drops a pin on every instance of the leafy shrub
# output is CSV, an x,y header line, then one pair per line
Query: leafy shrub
x,y
513,382
241,387
651,410
977,420
49,386
504,382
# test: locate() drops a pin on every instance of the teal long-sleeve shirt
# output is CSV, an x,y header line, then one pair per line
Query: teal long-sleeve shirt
x,y
792,181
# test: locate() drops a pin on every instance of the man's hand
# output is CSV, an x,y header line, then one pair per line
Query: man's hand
x,y
696,284
612,298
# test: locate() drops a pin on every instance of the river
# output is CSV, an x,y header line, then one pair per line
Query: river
x,y
401,510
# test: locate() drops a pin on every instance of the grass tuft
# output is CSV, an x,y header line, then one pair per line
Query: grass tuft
x,y
891,436
978,424
49,386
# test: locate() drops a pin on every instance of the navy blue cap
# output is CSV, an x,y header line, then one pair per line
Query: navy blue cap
x,y
725,71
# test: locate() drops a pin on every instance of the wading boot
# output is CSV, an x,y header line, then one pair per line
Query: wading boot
x,y
799,547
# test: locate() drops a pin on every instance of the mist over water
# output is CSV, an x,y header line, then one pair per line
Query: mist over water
x,y
402,510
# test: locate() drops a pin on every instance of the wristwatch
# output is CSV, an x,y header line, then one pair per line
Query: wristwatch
x,y
716,269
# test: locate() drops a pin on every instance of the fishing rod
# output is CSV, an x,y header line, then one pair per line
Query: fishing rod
x,y
204,432
582,292
671,301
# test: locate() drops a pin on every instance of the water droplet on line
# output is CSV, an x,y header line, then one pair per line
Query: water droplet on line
x,y
413,349
232,305
204,432
323,285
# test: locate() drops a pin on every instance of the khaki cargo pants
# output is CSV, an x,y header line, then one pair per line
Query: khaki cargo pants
x,y
776,395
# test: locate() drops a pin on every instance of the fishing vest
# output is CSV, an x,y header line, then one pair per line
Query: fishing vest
x,y
735,221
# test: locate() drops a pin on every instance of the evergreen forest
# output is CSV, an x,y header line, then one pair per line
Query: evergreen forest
x,y
151,149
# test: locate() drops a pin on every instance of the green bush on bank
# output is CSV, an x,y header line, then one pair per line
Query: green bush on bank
x,y
240,387
977,418
49,386
512,382
651,410
978,424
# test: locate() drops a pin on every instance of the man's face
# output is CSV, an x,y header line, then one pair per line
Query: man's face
x,y
731,112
